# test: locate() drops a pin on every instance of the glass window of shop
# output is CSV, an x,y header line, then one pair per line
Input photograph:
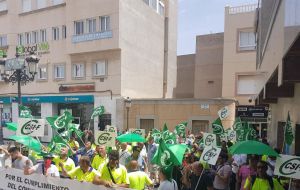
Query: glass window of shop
x,y
35,109
104,120
81,112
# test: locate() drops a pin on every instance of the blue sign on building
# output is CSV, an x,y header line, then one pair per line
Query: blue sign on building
x,y
6,100
58,99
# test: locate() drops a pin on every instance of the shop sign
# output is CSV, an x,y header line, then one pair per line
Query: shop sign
x,y
141,132
31,127
210,155
77,88
91,37
252,111
58,99
288,166
105,138
41,48
224,113
209,139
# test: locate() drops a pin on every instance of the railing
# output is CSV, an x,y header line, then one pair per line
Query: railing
x,y
91,36
242,9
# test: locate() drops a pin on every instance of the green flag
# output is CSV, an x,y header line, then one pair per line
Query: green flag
x,y
217,127
288,132
180,129
12,126
167,136
72,127
237,124
164,157
98,111
251,134
57,142
156,134
25,112
62,121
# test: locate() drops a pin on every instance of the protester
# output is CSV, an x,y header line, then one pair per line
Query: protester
x,y
46,168
247,170
142,166
222,174
166,181
200,180
86,150
4,155
74,145
99,156
124,153
18,160
63,161
138,179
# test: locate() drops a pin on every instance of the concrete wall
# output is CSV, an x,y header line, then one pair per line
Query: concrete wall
x,y
209,66
185,76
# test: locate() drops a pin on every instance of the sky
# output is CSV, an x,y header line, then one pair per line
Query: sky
x,y
196,17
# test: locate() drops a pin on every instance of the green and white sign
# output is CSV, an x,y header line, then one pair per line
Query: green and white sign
x,y
209,139
111,128
138,131
105,138
31,127
288,166
210,155
231,135
223,113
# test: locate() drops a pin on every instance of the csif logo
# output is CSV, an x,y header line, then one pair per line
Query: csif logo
x,y
165,158
30,127
209,140
210,154
290,166
138,132
104,138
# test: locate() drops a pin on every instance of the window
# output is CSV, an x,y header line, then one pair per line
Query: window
x,y
27,38
64,32
3,5
42,73
3,41
43,35
161,8
35,37
41,3
199,125
56,2
55,33
147,124
91,25
99,68
246,41
104,23
104,119
26,5
78,70
249,84
59,71
79,27
154,4
20,39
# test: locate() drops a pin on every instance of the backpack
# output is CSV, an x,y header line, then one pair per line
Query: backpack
x,y
269,178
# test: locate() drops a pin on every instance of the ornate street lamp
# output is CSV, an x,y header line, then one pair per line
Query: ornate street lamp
x,y
19,69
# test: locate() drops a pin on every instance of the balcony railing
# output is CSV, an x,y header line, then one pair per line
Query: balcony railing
x,y
242,9
91,36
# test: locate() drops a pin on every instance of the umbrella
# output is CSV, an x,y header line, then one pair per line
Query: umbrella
x,y
252,147
12,126
27,141
130,137
179,151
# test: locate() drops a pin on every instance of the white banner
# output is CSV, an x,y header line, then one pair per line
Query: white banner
x,y
13,179
231,135
31,127
224,113
138,131
209,139
210,155
105,138
288,166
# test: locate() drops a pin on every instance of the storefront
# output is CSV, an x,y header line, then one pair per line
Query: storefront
x,y
6,112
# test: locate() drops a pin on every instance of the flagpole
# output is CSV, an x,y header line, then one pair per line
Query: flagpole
x,y
290,183
199,178
284,135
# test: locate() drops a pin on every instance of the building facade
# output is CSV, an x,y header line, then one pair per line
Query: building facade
x,y
91,54
278,55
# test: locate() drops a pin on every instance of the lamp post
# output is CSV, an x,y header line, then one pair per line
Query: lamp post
x,y
19,70
127,105
1,127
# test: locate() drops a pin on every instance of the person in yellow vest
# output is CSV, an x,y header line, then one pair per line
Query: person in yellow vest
x,y
63,161
138,179
85,173
114,172
99,157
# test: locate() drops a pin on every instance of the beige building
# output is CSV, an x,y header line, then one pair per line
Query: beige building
x,y
278,56
91,54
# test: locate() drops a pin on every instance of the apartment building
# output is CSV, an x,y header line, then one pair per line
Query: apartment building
x,y
91,53
278,55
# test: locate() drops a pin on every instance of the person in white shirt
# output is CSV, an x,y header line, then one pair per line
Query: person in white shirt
x,y
18,160
166,181
123,154
46,168
3,156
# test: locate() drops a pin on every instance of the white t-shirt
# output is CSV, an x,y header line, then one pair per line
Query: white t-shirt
x,y
21,163
51,171
3,157
123,156
168,185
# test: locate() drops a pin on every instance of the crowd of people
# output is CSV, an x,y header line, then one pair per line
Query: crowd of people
x,y
129,165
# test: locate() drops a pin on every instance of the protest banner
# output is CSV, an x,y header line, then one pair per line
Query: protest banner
x,y
224,113
288,166
210,155
138,131
209,139
31,127
105,138
231,135
13,179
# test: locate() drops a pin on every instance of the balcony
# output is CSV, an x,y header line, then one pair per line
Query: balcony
x,y
91,36
242,9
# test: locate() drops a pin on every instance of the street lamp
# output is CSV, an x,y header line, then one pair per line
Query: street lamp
x,y
19,69
1,127
127,105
